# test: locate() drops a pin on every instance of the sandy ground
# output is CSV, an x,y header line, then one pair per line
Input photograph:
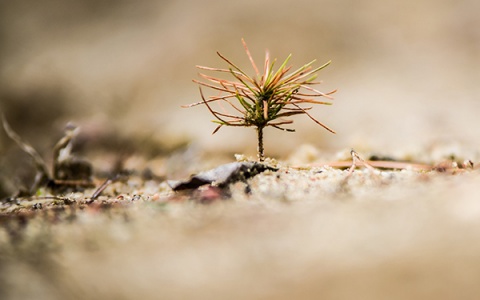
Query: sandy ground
x,y
307,233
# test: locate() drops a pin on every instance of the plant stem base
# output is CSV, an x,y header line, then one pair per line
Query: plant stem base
x,y
260,151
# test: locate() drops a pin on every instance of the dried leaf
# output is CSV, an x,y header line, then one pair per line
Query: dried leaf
x,y
221,176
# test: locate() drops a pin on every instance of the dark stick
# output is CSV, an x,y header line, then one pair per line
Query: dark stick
x,y
101,188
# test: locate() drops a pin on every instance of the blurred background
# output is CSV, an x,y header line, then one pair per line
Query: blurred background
x,y
408,80
407,72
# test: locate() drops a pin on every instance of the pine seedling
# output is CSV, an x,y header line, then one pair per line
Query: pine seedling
x,y
266,99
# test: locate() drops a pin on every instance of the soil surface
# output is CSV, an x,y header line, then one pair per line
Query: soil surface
x,y
298,230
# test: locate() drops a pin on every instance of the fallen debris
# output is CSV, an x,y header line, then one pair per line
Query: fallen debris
x,y
69,170
221,176
66,165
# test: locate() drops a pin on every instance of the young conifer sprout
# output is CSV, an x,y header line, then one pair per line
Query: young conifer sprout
x,y
268,98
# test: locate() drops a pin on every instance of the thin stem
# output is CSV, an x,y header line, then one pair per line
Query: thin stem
x,y
260,151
